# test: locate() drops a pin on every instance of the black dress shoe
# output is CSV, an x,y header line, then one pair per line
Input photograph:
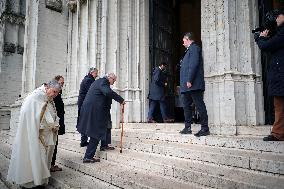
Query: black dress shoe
x,y
186,131
270,138
93,160
107,148
83,144
202,133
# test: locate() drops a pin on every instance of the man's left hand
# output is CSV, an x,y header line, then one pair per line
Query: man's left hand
x,y
264,33
188,84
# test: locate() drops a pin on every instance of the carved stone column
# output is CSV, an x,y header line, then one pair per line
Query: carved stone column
x,y
232,66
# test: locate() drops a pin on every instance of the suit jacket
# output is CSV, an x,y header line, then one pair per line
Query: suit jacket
x,y
95,110
191,69
60,112
157,86
84,87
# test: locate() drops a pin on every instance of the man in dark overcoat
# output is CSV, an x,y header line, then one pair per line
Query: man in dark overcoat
x,y
157,93
275,76
192,85
94,113
84,87
59,104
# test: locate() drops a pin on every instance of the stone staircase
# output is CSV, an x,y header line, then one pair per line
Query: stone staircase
x,y
157,156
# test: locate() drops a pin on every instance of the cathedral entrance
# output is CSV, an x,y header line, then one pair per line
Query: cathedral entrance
x,y
169,20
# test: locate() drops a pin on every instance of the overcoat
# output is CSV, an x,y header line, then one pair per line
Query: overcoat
x,y
59,104
275,74
84,87
94,115
157,86
191,69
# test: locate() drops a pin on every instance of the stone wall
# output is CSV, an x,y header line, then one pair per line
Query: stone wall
x,y
46,44
12,19
232,63
112,36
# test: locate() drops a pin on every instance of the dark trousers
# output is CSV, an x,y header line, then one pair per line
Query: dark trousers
x,y
54,153
107,140
91,148
84,138
195,97
153,104
278,125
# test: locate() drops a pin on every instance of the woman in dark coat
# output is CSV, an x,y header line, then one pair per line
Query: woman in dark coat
x,y
94,113
275,76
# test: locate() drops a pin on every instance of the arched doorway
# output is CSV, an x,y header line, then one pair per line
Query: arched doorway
x,y
169,20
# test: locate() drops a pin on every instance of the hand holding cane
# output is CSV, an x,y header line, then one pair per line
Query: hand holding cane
x,y
122,120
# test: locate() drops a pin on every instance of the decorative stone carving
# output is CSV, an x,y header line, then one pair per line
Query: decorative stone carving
x,y
20,50
72,5
55,5
10,47
12,18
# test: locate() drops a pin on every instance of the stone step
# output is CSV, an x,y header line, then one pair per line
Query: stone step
x,y
259,131
239,142
112,175
259,161
246,159
121,175
175,127
209,174
63,179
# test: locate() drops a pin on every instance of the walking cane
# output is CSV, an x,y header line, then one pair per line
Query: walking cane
x,y
122,120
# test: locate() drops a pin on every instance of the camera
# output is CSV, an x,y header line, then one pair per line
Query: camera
x,y
269,23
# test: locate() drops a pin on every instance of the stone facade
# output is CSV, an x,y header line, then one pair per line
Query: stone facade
x,y
104,36
12,28
232,63
113,35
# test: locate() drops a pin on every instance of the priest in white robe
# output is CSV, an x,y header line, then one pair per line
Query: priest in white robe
x,y
35,139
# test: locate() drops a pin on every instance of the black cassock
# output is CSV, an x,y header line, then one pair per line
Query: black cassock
x,y
94,114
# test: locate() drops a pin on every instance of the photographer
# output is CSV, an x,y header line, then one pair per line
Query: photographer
x,y
275,77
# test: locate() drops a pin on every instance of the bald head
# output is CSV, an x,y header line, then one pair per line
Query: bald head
x,y
111,78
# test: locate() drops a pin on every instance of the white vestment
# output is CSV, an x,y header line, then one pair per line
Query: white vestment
x,y
35,140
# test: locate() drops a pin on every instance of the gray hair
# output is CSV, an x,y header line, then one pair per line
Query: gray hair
x,y
92,69
189,35
110,75
54,84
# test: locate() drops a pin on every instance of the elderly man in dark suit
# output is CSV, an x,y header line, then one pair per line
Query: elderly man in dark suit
x,y
275,76
192,85
84,87
157,93
94,113
59,104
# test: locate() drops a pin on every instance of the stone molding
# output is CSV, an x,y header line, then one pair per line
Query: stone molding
x,y
10,47
55,5
72,4
12,18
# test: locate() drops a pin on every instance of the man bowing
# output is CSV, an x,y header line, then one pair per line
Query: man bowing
x,y
94,110
35,139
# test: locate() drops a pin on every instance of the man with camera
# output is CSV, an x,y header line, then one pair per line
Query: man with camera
x,y
275,45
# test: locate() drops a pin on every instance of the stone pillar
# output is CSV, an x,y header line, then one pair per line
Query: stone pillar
x,y
117,42
231,63
45,43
